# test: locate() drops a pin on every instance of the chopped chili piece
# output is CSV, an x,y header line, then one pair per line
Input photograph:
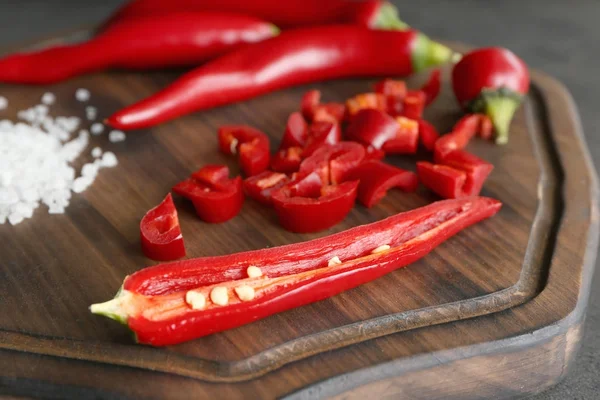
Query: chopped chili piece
x,y
296,131
365,101
333,163
427,134
160,232
216,198
302,208
413,104
310,101
372,127
407,137
287,160
394,92
259,187
373,153
486,128
321,133
251,144
313,110
432,87
212,294
477,170
461,134
377,177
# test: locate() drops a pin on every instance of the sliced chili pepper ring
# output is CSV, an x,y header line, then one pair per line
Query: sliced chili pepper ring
x,y
160,232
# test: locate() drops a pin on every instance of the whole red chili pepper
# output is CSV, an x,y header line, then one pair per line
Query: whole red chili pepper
x,y
172,303
251,144
308,205
492,81
288,13
376,178
293,58
259,187
216,198
153,42
160,232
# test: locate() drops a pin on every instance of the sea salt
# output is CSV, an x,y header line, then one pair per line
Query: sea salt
x,y
91,113
35,162
3,102
82,95
48,98
116,136
97,128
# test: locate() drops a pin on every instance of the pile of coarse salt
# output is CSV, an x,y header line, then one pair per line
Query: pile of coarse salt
x,y
36,159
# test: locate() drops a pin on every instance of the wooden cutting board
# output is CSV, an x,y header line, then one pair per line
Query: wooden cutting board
x,y
495,312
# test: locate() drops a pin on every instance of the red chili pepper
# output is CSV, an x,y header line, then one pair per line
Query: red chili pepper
x,y
321,133
160,232
296,131
168,40
252,145
175,302
259,187
290,13
461,134
287,160
295,57
492,81
428,134
407,137
310,101
461,175
414,104
394,92
433,87
334,163
372,127
312,207
313,110
365,101
486,127
215,197
376,178
373,154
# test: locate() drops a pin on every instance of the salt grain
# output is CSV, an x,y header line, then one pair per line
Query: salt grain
x,y
82,95
109,160
48,98
116,136
3,102
96,152
97,128
91,113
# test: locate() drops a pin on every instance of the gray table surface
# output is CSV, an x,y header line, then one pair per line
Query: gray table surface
x,y
558,37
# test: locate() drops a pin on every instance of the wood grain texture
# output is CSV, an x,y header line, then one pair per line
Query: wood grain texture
x,y
524,274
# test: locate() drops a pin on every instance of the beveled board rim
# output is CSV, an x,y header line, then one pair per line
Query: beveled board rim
x,y
537,264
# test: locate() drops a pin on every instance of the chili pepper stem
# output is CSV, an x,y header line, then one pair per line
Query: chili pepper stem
x,y
275,29
501,110
113,309
387,18
428,53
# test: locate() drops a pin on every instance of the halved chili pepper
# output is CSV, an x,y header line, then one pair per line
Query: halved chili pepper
x,y
334,163
168,40
160,232
296,131
414,104
365,101
289,13
175,302
259,187
376,178
432,87
462,174
427,134
458,138
295,57
321,133
493,81
252,145
302,208
407,137
287,160
216,198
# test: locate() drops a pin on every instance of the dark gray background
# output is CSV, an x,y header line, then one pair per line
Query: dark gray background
x,y
559,37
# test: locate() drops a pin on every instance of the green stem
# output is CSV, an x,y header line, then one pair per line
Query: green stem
x,y
427,53
501,109
387,18
113,309
275,29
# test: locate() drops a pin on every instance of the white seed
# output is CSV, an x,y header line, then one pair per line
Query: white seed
x,y
381,249
334,261
97,128
48,98
245,293
196,300
254,272
233,146
3,102
219,296
82,95
116,136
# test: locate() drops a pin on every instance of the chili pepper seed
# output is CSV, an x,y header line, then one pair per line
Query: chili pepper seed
x,y
254,272
245,293
219,296
195,300
381,249
334,261
233,146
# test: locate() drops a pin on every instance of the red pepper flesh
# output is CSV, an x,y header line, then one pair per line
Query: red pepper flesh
x,y
443,180
407,137
376,178
414,104
432,87
365,101
461,134
287,160
394,92
168,40
427,134
296,131
477,170
308,210
259,187
321,133
295,57
334,163
252,145
292,275
160,232
216,199
372,127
